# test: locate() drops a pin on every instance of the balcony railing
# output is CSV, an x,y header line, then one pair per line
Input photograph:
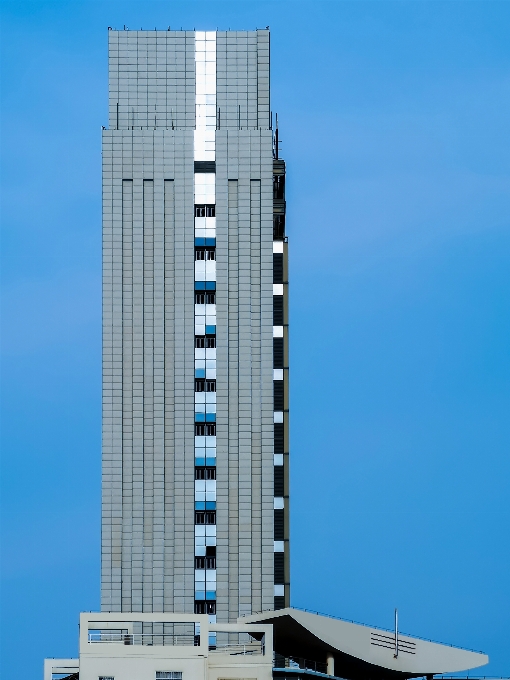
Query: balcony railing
x,y
148,639
298,662
240,649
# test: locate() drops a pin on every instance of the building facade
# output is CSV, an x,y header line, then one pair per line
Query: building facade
x,y
195,360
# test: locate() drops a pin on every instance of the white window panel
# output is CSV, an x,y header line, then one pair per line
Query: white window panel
x,y
210,441
199,530
210,452
210,407
278,546
210,222
199,399
210,310
199,575
210,320
210,397
200,442
200,363
200,485
277,246
279,590
200,496
200,328
210,270
200,549
200,222
201,233
277,331
200,352
209,233
210,540
210,373
200,270
277,373
209,485
210,363
204,146
210,352
199,312
279,503
205,182
210,574
277,288
205,196
210,530
277,417
278,458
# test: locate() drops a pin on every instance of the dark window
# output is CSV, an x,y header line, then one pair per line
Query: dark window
x,y
205,429
207,517
279,573
205,253
278,395
278,227
279,603
278,482
277,267
205,473
277,310
278,438
202,385
207,562
279,186
278,352
203,297
279,528
205,211
208,341
203,607
205,166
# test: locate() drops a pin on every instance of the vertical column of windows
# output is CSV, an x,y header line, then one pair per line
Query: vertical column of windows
x,y
205,325
281,589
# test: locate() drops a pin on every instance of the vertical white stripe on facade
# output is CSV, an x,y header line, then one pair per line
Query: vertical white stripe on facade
x,y
205,194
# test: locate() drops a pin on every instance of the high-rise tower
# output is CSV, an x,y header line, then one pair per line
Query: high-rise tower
x,y
195,387
195,361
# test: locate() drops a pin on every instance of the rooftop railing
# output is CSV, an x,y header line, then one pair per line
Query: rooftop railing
x,y
148,639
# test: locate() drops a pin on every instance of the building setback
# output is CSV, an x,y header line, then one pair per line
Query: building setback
x,y
195,361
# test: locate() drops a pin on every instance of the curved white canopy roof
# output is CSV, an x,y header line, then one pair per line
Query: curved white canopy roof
x,y
361,649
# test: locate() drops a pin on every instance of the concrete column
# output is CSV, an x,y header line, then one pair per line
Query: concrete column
x,y
331,664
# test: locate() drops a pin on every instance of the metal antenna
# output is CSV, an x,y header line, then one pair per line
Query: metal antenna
x,y
396,634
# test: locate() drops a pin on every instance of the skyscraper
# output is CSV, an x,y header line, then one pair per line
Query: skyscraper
x,y
195,361
195,550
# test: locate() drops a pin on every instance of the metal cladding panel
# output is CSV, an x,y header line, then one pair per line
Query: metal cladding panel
x,y
148,371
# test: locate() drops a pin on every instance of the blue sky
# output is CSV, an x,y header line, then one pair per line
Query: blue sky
x,y
395,125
